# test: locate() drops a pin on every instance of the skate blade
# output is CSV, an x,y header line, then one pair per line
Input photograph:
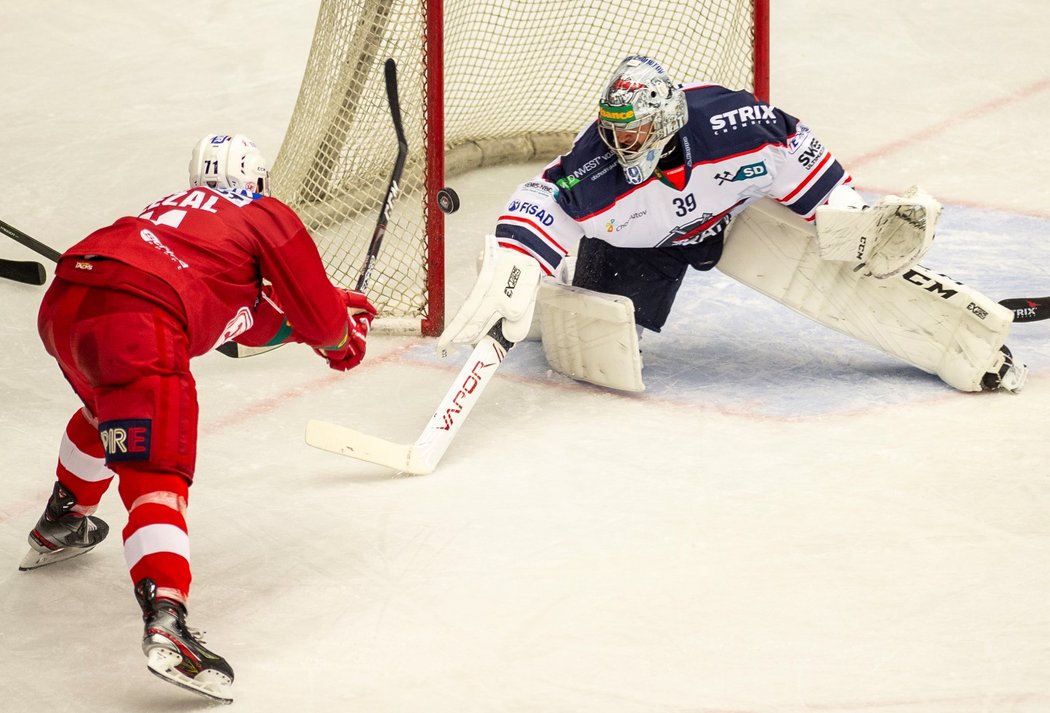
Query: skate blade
x,y
208,683
36,560
1014,379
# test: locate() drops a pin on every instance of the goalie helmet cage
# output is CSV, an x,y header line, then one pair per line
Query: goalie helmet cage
x,y
482,82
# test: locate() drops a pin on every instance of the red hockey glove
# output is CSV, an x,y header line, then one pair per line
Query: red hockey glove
x,y
358,321
357,304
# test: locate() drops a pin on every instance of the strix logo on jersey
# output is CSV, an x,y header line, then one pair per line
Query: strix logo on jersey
x,y
745,115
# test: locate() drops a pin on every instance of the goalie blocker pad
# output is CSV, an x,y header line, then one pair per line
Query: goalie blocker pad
x,y
590,336
504,292
924,318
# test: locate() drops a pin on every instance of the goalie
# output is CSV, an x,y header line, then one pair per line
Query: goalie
x,y
673,177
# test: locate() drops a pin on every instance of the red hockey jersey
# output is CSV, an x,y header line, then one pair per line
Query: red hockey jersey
x,y
214,248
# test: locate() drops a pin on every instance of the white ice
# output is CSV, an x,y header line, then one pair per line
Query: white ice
x,y
785,521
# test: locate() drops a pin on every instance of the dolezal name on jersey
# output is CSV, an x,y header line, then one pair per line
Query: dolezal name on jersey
x,y
126,440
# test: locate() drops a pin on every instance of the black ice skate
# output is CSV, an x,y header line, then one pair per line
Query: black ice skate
x,y
60,533
1010,375
176,653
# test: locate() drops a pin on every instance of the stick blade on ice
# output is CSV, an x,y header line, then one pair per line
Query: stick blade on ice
x,y
355,444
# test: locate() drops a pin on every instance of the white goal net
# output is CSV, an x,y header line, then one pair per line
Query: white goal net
x,y
481,82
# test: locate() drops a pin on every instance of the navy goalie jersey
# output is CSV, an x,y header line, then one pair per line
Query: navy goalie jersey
x,y
736,150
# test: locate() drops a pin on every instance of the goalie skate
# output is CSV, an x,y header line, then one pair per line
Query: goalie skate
x,y
1010,376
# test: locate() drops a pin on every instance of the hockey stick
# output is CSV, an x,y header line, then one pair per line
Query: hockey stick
x,y
422,456
232,349
29,272
392,189
30,242
1028,309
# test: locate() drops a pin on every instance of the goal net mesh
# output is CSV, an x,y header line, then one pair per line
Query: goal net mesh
x,y
520,80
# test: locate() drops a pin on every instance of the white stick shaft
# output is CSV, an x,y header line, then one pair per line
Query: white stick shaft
x,y
464,393
422,456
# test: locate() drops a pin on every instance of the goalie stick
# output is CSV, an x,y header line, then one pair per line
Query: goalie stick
x,y
422,456
1025,310
232,349
1028,309
29,272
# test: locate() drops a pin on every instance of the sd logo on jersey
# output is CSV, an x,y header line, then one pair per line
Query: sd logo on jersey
x,y
744,173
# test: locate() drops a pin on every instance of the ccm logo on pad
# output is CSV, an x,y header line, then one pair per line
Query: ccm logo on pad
x,y
126,440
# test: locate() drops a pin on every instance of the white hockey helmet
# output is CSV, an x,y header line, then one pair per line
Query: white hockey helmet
x,y
639,111
223,161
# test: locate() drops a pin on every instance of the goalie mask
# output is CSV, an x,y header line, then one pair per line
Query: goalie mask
x,y
638,113
234,162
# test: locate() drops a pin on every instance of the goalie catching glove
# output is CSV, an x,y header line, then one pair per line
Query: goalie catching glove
x,y
505,289
359,315
888,237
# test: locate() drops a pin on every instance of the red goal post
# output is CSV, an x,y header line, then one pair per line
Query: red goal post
x,y
482,82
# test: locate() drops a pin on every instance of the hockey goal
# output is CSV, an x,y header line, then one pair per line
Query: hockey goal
x,y
481,82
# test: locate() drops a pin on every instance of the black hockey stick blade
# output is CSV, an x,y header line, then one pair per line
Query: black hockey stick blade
x,y
1028,309
29,272
390,75
239,351
29,241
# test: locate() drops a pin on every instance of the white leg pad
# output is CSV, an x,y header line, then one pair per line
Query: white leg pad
x,y
926,319
590,336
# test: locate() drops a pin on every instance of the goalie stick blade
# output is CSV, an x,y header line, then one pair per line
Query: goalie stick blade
x,y
348,442
28,272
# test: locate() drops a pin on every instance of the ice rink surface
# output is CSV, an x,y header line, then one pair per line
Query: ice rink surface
x,y
785,521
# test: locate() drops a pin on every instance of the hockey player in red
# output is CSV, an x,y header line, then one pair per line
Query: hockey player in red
x,y
128,308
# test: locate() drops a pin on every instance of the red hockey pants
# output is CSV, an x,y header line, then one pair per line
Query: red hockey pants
x,y
126,358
